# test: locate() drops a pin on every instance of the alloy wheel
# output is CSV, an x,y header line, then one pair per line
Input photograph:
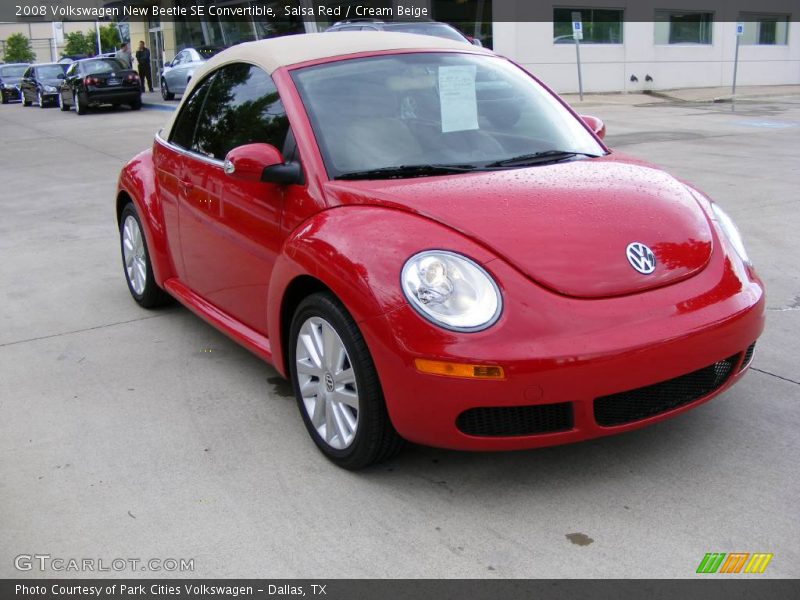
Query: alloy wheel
x,y
327,383
133,255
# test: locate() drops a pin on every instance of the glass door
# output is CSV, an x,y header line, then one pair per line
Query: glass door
x,y
156,54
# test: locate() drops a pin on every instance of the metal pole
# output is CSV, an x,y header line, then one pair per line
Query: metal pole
x,y
735,66
97,31
578,55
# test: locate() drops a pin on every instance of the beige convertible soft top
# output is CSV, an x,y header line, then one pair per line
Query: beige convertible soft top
x,y
279,52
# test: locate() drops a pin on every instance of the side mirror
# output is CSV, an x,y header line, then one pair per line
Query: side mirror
x,y
61,76
477,42
596,125
261,162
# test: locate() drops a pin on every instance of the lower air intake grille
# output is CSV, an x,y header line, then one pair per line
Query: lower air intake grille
x,y
748,356
641,403
493,421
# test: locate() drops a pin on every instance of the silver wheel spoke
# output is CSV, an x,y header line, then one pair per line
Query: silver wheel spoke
x,y
346,397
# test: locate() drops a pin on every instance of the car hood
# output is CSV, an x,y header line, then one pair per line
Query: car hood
x,y
567,225
11,80
55,82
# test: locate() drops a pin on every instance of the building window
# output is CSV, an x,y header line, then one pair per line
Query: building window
x,y
600,25
683,27
765,29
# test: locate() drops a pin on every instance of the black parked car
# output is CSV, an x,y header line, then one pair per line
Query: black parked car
x,y
41,83
10,76
94,81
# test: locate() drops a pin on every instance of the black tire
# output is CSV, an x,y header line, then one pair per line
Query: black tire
x,y
165,93
3,98
375,438
40,100
136,104
80,107
152,296
61,104
25,101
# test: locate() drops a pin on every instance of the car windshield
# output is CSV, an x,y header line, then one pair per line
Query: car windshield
x,y
13,70
435,29
50,71
102,65
460,111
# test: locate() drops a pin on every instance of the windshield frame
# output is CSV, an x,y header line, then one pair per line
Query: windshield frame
x,y
325,160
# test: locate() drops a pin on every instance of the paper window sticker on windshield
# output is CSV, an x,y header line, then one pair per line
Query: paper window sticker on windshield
x,y
457,99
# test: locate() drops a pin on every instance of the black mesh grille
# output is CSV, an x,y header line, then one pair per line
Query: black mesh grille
x,y
516,420
644,402
748,356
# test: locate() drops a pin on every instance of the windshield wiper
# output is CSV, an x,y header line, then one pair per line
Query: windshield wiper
x,y
407,171
538,158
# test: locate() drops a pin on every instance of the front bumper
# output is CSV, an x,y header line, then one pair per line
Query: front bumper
x,y
11,93
568,354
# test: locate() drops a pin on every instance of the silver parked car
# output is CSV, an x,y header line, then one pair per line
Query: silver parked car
x,y
176,74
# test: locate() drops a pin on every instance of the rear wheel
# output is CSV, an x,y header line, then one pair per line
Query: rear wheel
x,y
80,107
337,386
165,93
136,104
136,261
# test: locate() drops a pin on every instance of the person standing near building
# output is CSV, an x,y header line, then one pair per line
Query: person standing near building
x,y
124,55
143,63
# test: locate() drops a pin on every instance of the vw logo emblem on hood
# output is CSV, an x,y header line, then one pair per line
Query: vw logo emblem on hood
x,y
641,258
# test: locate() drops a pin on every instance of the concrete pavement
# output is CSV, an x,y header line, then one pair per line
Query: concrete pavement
x,y
126,433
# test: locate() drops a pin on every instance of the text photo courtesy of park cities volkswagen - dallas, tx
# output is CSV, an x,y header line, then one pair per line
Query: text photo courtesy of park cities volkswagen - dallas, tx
x,y
480,298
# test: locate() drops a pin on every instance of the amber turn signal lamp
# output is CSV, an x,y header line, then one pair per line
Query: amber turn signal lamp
x,y
450,369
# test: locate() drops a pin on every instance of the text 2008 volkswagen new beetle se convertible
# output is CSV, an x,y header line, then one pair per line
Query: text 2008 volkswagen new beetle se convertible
x,y
433,247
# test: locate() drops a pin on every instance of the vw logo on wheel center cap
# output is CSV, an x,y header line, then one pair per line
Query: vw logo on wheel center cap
x,y
641,258
329,381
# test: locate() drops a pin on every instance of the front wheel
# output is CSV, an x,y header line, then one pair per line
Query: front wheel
x,y
25,101
337,387
40,99
136,261
61,104
165,93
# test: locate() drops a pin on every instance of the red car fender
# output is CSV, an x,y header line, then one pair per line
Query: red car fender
x,y
137,181
357,252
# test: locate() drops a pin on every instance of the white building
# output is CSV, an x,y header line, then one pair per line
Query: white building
x,y
676,49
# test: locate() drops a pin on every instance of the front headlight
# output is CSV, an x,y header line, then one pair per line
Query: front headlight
x,y
728,227
451,290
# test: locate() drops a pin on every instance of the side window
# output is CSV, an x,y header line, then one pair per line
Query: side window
x,y
242,107
185,124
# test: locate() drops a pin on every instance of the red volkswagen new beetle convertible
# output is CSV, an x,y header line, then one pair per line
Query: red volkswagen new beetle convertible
x,y
435,248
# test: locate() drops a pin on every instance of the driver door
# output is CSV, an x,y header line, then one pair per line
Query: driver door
x,y
230,230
